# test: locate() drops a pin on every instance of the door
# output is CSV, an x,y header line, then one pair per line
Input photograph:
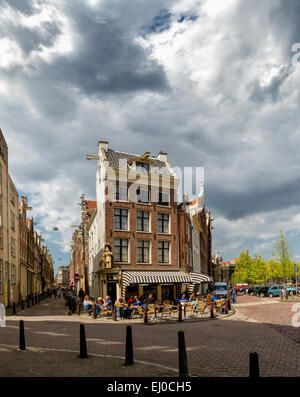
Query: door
x,y
112,290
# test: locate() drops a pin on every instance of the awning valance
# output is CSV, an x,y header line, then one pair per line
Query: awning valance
x,y
198,278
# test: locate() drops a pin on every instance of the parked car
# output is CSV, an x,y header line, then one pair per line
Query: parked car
x,y
221,289
262,291
250,290
255,289
275,290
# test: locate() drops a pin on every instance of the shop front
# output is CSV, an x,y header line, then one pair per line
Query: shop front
x,y
163,285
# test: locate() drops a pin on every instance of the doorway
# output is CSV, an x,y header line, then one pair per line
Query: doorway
x,y
112,290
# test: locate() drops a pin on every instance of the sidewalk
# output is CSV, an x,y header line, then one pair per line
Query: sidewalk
x,y
42,362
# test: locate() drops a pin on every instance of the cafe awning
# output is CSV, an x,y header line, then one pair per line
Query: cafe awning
x,y
153,277
197,279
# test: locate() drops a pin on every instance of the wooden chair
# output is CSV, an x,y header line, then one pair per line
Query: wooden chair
x,y
200,308
188,309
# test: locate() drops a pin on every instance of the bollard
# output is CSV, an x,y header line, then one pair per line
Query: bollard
x,y
14,308
22,305
182,357
184,311
155,312
83,349
253,365
32,300
28,303
229,305
22,335
94,311
212,312
226,306
114,313
36,299
145,314
129,346
180,312
78,309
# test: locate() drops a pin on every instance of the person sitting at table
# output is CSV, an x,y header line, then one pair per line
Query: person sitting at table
x,y
182,299
150,299
108,302
214,297
87,303
120,305
131,300
100,303
192,297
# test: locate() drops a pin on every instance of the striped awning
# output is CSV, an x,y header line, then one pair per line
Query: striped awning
x,y
153,277
196,279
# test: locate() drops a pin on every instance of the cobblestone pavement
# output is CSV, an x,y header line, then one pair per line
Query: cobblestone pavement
x,y
214,348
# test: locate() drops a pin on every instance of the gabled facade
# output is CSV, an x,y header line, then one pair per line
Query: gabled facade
x,y
135,225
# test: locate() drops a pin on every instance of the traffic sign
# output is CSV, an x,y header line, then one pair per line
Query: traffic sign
x,y
76,277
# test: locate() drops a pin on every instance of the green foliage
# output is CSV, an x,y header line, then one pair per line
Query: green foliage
x,y
283,255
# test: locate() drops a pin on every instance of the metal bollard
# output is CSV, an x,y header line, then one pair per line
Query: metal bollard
x,y
114,313
94,310
83,349
145,314
184,311
212,311
180,312
226,306
22,304
229,305
14,308
22,336
78,309
28,303
253,365
129,346
182,357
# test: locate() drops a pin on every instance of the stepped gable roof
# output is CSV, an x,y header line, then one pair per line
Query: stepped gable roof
x,y
115,160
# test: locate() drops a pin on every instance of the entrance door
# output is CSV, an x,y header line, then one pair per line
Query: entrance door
x,y
112,290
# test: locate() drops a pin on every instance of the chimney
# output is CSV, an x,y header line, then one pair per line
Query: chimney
x,y
162,156
103,145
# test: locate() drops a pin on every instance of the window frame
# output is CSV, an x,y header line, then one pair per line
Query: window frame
x,y
118,195
139,197
143,248
121,246
160,198
120,216
142,167
144,220
162,223
163,248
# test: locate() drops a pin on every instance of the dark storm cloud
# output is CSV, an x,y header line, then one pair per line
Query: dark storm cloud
x,y
270,92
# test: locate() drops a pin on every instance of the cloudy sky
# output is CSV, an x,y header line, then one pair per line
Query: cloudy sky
x,y
214,83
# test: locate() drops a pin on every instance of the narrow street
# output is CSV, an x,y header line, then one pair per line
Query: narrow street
x,y
214,347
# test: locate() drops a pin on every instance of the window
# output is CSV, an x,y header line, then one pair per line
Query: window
x,y
12,246
13,273
163,198
143,248
12,194
142,167
6,272
121,250
121,193
163,252
121,219
163,223
1,276
142,196
12,220
142,221
2,150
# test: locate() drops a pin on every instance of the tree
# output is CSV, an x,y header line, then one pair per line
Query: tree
x,y
283,254
259,270
243,269
273,269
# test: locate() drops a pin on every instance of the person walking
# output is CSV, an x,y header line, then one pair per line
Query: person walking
x,y
234,295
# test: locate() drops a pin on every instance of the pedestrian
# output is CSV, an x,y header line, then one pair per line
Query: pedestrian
x,y
286,294
81,295
234,295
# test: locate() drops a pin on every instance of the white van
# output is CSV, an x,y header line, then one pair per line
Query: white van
x,y
221,289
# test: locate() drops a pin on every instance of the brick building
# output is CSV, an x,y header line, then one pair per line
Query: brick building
x,y
136,220
195,242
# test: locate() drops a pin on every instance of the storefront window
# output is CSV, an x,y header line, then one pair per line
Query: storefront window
x,y
167,292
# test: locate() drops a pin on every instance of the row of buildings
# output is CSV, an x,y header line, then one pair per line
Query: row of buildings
x,y
135,238
26,265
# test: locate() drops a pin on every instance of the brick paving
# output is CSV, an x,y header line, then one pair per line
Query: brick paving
x,y
214,348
